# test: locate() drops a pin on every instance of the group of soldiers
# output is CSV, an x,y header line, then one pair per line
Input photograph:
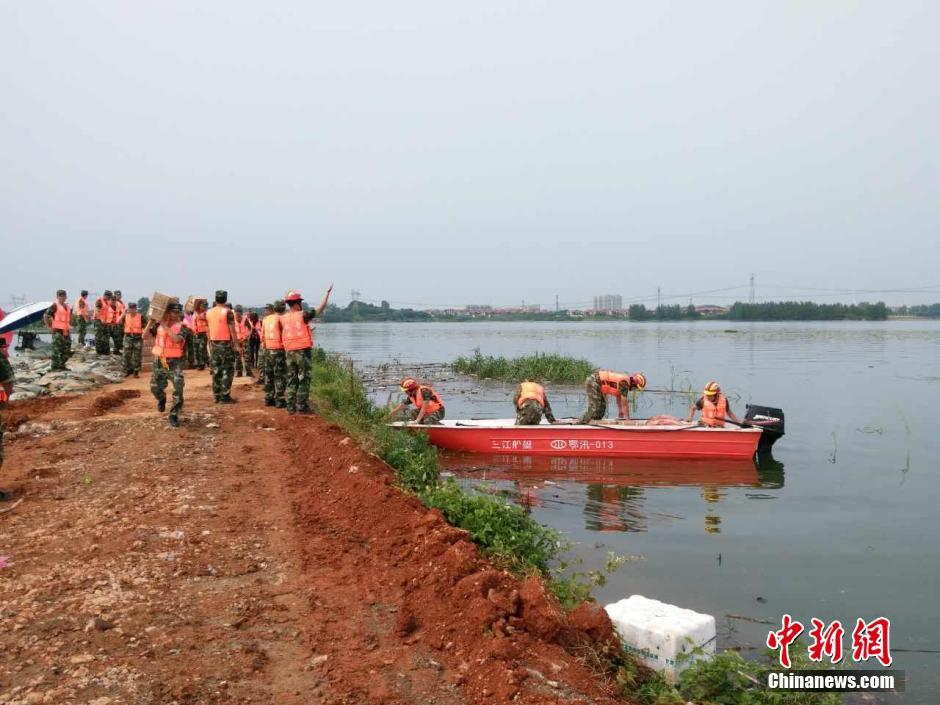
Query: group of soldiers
x,y
228,340
231,343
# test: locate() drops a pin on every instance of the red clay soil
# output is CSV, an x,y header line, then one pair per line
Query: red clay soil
x,y
252,557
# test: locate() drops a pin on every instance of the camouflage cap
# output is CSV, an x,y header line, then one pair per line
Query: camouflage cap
x,y
238,308
84,292
117,292
60,292
107,294
280,305
221,295
173,307
132,304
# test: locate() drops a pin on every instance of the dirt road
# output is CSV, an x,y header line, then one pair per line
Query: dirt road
x,y
249,557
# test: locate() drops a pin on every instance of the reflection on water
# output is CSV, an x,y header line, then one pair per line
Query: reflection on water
x,y
611,492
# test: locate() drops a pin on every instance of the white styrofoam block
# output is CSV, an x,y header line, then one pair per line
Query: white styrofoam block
x,y
658,633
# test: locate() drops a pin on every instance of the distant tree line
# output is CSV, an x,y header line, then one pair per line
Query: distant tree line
x,y
639,312
807,311
361,311
925,310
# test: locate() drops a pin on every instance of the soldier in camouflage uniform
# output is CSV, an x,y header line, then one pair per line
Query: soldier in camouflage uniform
x,y
243,331
530,402
82,316
601,384
275,360
58,318
298,349
103,313
223,340
132,325
6,390
117,328
423,405
202,335
170,338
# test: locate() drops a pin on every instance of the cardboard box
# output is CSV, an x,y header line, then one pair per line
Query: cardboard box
x,y
158,304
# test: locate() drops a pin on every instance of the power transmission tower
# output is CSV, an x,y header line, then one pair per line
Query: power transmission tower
x,y
751,296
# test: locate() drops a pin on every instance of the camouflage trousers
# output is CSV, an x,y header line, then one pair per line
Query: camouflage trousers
x,y
82,330
102,339
529,414
597,402
189,351
241,361
275,375
161,376
222,367
1,439
117,335
202,350
432,419
262,364
61,349
299,370
133,346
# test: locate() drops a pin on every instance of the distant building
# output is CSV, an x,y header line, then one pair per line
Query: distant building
x,y
477,309
608,302
711,310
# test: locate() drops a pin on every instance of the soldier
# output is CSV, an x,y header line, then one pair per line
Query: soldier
x,y
189,321
6,391
169,339
57,319
254,340
243,332
298,349
602,384
424,405
223,346
82,316
132,325
103,320
201,326
275,362
530,403
117,329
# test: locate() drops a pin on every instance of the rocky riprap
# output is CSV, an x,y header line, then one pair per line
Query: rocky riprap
x,y
86,370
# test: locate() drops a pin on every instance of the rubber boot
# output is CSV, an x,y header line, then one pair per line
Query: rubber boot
x,y
226,400
161,405
269,402
281,404
174,422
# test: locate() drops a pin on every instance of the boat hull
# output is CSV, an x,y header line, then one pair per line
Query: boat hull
x,y
615,441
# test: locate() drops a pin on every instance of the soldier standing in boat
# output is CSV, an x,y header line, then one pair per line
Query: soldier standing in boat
x,y
714,407
604,383
531,403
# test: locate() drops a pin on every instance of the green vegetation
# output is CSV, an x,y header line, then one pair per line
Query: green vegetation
x,y
807,311
509,535
503,531
923,310
359,311
546,368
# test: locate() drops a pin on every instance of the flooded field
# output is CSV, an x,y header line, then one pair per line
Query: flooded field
x,y
841,523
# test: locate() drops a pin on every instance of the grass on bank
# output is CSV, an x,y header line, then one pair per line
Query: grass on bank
x,y
561,369
506,533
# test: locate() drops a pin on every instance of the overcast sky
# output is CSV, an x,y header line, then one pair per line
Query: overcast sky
x,y
444,153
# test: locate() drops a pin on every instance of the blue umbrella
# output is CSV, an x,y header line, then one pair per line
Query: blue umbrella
x,y
23,316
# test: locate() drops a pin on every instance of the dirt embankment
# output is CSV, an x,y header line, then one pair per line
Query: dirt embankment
x,y
251,557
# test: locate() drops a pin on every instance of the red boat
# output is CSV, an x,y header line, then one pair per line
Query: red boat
x,y
611,439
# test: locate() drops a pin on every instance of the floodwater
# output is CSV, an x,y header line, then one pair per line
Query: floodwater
x,y
841,523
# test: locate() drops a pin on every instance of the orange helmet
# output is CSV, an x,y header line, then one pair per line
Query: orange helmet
x,y
292,295
639,380
407,384
711,389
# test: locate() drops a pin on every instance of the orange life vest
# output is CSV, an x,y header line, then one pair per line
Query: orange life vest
x,y
610,382
133,324
200,324
81,307
242,329
431,405
119,308
3,396
164,346
105,314
529,391
217,320
63,314
272,332
295,332
713,414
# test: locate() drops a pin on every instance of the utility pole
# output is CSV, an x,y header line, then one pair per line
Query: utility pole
x,y
659,304
751,296
556,303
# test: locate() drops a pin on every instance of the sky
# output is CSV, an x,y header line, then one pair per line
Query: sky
x,y
443,153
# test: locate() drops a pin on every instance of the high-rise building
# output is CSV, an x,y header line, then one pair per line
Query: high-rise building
x,y
608,302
